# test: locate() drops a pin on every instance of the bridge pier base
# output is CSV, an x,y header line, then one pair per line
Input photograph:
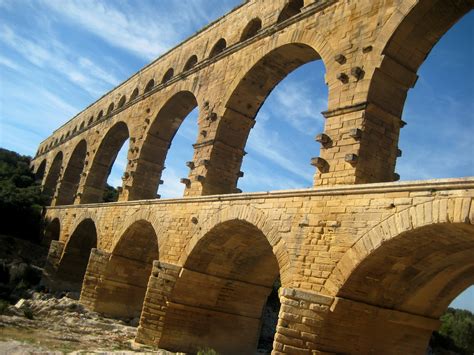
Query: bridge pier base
x,y
95,270
160,287
52,263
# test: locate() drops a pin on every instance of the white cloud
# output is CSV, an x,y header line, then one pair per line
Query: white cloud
x,y
296,105
9,63
53,55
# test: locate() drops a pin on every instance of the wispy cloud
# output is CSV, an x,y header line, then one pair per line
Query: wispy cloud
x,y
267,143
296,104
53,55
6,62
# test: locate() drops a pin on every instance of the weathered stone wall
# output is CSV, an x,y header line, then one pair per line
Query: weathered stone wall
x,y
364,268
371,51
319,238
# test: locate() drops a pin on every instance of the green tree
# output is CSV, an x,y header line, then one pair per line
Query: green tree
x,y
456,332
21,199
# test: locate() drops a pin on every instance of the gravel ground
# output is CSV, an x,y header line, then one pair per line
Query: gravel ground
x,y
45,324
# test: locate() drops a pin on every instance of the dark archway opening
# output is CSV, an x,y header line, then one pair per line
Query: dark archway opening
x,y
220,295
218,48
72,175
95,184
192,61
73,263
292,8
51,182
122,289
251,29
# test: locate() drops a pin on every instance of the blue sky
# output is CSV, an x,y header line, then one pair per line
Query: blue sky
x,y
58,56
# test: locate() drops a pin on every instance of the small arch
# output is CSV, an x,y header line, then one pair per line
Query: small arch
x,y
110,109
56,141
134,95
51,232
74,130
251,29
73,263
192,61
122,294
219,47
168,75
99,116
82,125
149,85
91,119
122,101
292,8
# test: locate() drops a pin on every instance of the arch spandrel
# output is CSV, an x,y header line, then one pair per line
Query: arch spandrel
x,y
254,217
436,212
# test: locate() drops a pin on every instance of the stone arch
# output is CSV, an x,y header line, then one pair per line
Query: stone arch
x,y
402,275
407,39
99,116
292,8
241,104
50,184
255,217
123,284
149,85
168,75
91,120
219,47
51,232
454,211
235,266
73,263
72,175
39,173
103,160
157,142
251,29
191,62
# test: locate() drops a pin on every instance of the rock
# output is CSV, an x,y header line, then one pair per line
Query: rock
x,y
20,303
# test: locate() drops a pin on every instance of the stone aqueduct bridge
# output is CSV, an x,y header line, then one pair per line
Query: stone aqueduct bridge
x,y
367,265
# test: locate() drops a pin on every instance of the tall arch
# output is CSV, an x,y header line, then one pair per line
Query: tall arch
x,y
73,263
72,175
122,289
409,39
39,174
104,158
219,296
157,142
51,181
240,111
